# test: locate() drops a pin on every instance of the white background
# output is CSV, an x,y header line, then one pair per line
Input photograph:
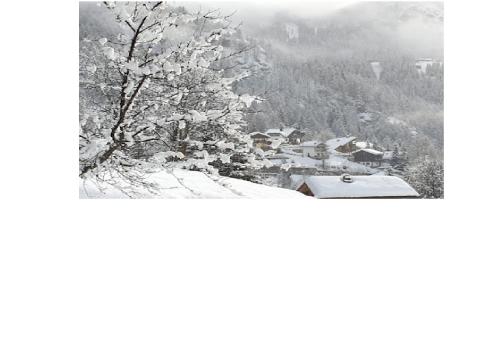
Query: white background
x,y
241,278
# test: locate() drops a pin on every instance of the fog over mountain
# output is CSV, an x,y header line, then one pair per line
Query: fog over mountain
x,y
320,74
417,26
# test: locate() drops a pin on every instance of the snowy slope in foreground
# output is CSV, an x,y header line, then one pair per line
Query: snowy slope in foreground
x,y
188,184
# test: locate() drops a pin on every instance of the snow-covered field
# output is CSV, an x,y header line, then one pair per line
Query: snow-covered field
x,y
335,161
185,184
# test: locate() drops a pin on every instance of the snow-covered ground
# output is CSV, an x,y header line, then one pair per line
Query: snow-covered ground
x,y
186,184
335,161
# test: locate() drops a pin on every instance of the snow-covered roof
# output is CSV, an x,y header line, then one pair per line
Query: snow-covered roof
x,y
371,151
187,184
360,187
288,131
274,132
258,133
362,144
285,132
337,142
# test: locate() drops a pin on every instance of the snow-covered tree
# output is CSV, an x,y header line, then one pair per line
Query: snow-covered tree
x,y
399,159
427,177
157,94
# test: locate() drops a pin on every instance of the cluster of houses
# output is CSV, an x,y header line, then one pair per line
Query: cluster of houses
x,y
289,141
272,138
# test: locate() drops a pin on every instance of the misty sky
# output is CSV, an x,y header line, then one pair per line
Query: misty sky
x,y
423,38
247,10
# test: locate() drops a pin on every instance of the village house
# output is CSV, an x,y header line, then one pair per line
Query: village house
x,y
290,135
368,157
261,140
309,148
314,149
257,136
422,64
346,186
363,145
344,145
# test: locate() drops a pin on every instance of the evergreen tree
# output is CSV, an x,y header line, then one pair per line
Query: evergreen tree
x,y
427,177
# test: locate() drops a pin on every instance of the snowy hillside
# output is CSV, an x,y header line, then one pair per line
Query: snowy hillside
x,y
185,184
348,71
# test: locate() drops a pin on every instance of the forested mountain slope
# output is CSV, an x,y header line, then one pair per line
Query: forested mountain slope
x,y
322,76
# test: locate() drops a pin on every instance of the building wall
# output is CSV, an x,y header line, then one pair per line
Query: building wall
x,y
422,65
363,156
308,151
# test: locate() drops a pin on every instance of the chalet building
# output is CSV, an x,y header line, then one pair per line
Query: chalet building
x,y
295,136
421,64
290,135
346,186
258,136
368,157
363,145
314,149
344,145
261,140
424,63
322,151
309,148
